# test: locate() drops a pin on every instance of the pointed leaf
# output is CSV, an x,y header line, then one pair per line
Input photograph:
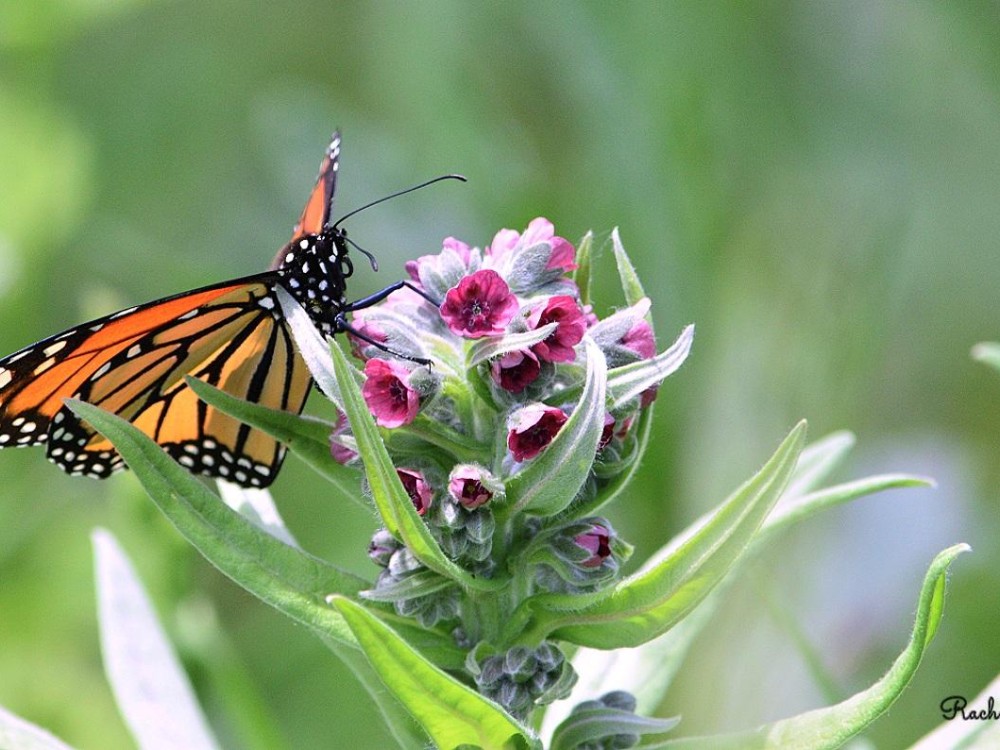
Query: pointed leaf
x,y
631,285
488,348
306,437
151,688
652,600
451,713
817,460
394,505
831,727
288,579
628,381
550,482
18,734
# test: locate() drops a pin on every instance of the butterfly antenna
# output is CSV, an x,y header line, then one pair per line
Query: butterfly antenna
x,y
396,195
356,246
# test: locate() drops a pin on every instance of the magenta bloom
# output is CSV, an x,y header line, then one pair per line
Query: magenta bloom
x,y
648,396
466,486
417,488
515,371
565,311
640,340
596,543
481,305
388,393
533,428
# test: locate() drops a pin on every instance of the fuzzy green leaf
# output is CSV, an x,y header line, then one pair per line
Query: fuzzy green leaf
x,y
628,381
151,689
551,481
486,349
451,713
652,600
647,671
631,285
292,581
584,274
988,352
832,726
393,504
18,734
306,437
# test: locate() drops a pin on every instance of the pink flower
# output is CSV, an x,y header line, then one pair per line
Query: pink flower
x,y
640,340
515,371
540,230
417,488
608,432
596,543
338,449
565,311
481,305
388,393
466,486
533,428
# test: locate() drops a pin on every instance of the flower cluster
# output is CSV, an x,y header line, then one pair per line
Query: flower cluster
x,y
509,442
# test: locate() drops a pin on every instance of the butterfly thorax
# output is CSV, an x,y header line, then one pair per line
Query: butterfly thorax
x,y
314,269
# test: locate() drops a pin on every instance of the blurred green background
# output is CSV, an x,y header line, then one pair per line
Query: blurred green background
x,y
814,184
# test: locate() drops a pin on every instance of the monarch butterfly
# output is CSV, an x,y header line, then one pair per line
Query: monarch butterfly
x,y
231,335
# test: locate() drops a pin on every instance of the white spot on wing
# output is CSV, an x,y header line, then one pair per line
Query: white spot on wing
x,y
53,348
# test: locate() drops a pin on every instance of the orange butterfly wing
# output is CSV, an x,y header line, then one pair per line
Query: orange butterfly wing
x,y
133,363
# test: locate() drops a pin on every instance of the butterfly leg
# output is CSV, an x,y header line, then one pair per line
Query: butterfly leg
x,y
374,299
341,324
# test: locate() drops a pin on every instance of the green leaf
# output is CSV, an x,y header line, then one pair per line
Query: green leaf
x,y
486,349
816,462
151,688
306,437
628,381
631,285
18,734
290,580
831,727
647,671
671,584
394,505
589,725
550,482
988,352
451,713
584,274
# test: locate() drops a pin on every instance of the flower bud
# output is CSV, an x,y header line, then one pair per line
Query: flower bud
x,y
382,546
417,488
532,428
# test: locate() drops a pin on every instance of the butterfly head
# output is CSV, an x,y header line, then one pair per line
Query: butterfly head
x,y
314,270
